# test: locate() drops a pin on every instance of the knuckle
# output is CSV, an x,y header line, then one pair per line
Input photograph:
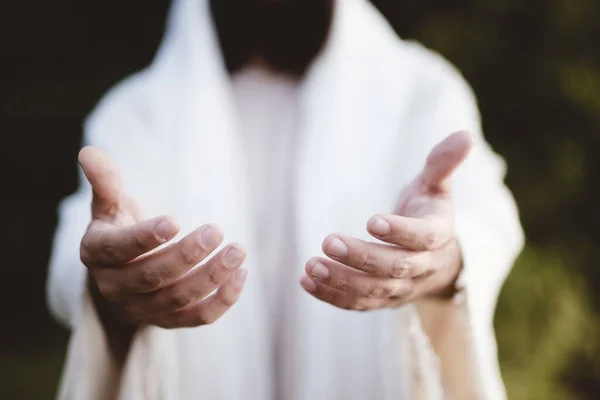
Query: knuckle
x,y
141,239
202,318
227,300
387,291
214,277
405,291
364,259
407,232
107,290
375,290
378,290
429,241
401,268
150,279
181,299
113,208
109,250
339,283
188,254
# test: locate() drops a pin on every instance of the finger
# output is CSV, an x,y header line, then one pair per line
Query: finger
x,y
109,245
345,279
208,310
341,299
377,259
445,158
161,268
419,234
103,175
193,286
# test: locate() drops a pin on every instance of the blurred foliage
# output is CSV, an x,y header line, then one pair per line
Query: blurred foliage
x,y
535,66
543,318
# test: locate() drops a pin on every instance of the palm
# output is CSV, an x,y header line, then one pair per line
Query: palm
x,y
419,256
430,195
134,279
419,201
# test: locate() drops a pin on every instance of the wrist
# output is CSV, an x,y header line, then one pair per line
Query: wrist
x,y
445,286
118,327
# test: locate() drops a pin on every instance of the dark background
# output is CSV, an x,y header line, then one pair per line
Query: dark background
x,y
535,66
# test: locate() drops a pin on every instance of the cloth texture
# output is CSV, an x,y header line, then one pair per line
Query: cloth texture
x,y
364,119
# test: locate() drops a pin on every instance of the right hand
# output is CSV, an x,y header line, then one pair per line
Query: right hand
x,y
143,284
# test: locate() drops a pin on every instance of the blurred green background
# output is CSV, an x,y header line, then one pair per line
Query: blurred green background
x,y
535,66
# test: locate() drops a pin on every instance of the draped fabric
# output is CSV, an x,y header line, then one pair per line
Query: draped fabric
x,y
370,109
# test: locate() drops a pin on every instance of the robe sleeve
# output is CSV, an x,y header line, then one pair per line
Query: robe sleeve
x,y
66,275
91,372
490,236
110,127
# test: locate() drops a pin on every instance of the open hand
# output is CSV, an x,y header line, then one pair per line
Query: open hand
x,y
421,256
138,283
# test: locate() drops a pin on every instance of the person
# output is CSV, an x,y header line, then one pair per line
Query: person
x,y
291,128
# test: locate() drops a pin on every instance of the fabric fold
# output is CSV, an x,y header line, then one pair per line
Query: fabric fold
x,y
365,130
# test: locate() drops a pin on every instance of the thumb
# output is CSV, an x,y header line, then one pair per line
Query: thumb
x,y
103,175
445,158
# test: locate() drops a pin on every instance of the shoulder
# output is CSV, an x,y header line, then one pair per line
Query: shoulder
x,y
433,74
440,101
439,93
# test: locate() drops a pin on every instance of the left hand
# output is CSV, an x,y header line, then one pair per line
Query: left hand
x,y
421,257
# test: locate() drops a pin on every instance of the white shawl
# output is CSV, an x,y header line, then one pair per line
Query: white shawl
x,y
372,107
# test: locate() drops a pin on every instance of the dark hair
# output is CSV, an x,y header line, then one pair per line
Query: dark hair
x,y
287,34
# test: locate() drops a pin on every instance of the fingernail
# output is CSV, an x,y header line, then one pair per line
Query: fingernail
x,y
308,284
211,237
337,248
319,271
233,258
240,276
380,226
165,229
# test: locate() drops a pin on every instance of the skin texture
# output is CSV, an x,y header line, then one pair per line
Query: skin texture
x,y
420,256
133,282
137,275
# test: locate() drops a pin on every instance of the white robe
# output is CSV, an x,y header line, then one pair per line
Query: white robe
x,y
370,110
